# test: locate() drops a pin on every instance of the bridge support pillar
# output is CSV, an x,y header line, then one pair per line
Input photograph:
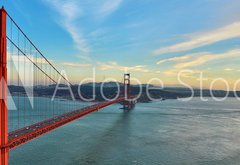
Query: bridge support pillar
x,y
3,90
127,104
127,85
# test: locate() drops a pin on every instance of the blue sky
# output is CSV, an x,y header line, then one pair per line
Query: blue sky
x,y
156,38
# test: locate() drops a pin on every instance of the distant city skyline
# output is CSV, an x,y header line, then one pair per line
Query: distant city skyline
x,y
150,39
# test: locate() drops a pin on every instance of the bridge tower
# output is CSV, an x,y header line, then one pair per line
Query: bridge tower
x,y
3,90
126,82
128,104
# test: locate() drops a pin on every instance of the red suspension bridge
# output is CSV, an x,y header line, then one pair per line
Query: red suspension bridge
x,y
20,61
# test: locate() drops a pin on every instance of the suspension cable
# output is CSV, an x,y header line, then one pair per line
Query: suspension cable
x,y
37,49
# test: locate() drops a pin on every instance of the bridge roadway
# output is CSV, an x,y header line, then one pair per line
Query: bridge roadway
x,y
23,135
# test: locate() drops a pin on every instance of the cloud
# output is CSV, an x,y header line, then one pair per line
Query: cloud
x,y
174,59
27,60
203,58
112,65
174,72
78,65
109,7
203,39
198,59
69,12
228,69
195,61
135,24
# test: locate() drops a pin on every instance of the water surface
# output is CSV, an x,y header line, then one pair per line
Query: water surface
x,y
168,132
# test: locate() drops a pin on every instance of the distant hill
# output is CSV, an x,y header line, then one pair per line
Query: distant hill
x,y
110,90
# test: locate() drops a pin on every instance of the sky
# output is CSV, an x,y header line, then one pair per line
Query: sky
x,y
148,38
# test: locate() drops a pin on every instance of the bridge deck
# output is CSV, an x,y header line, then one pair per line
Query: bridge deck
x,y
23,135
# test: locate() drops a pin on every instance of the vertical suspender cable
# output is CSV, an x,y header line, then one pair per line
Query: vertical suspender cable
x,y
24,84
18,71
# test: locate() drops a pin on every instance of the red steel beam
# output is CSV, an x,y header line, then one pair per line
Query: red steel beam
x,y
26,137
3,89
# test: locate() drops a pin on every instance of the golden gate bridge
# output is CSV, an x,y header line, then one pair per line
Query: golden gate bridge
x,y
21,60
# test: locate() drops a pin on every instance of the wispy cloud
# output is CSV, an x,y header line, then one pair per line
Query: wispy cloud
x,y
203,58
69,12
229,69
202,39
197,59
111,65
109,7
15,58
174,59
76,65
175,72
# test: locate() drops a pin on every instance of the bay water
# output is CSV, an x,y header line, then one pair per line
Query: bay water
x,y
167,132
